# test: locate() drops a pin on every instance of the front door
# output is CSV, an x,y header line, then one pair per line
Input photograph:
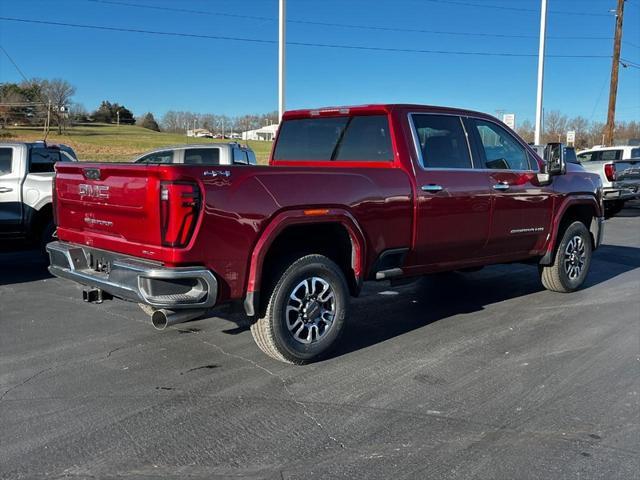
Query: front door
x,y
10,195
521,207
453,198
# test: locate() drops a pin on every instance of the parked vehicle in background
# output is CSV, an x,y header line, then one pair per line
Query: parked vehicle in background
x,y
230,153
376,192
26,174
619,169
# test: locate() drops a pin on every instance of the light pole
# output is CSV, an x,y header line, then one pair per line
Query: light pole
x,y
543,33
281,56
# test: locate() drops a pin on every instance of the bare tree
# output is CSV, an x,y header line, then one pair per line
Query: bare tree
x,y
525,130
57,93
555,126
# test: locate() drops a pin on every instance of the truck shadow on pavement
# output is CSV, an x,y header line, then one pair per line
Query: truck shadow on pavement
x,y
381,314
18,265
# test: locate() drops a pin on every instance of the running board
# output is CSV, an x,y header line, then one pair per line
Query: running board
x,y
387,274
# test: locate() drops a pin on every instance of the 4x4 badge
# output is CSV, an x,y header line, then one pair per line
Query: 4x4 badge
x,y
217,173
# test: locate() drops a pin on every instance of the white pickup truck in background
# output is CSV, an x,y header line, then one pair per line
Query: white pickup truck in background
x,y
619,169
26,178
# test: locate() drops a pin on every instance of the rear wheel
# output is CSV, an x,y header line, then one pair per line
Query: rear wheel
x,y
306,312
571,262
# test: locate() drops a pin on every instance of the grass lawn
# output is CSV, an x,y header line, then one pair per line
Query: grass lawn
x,y
110,143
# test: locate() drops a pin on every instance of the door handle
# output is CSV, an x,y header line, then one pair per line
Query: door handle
x,y
431,188
502,186
5,189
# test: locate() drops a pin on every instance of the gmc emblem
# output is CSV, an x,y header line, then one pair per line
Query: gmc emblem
x,y
92,173
94,191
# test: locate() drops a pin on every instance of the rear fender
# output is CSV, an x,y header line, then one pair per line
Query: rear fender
x,y
301,217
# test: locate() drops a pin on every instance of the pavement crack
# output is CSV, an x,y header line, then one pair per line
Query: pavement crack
x,y
302,405
25,382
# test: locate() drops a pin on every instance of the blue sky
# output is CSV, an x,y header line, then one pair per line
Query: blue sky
x,y
158,73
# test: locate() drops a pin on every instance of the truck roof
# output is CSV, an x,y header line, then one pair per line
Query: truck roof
x,y
379,108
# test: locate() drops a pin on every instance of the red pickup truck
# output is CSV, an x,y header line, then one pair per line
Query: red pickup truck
x,y
374,192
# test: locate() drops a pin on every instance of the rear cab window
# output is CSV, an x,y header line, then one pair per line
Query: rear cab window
x,y
202,156
6,156
635,153
359,138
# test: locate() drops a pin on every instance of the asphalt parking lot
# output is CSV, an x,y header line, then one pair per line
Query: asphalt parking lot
x,y
483,376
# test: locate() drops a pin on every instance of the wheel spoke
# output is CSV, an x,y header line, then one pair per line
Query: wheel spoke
x,y
310,310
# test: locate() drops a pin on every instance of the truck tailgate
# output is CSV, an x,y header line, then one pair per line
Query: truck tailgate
x,y
627,173
114,201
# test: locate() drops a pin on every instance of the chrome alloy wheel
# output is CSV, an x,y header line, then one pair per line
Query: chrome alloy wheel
x,y
311,310
575,256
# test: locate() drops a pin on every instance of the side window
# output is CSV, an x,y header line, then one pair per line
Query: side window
x,y
366,138
5,160
501,150
442,141
157,157
586,157
252,157
239,156
197,156
608,155
42,160
635,153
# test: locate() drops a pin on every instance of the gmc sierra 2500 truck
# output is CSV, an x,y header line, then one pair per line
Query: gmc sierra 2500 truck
x,y
374,192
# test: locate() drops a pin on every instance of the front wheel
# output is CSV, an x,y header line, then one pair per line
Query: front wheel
x,y
572,260
306,312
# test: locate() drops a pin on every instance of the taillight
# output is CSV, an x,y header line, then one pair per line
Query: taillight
x,y
179,209
610,171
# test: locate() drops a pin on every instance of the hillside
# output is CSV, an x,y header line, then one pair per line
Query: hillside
x,y
104,142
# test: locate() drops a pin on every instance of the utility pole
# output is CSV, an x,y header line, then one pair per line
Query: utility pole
x,y
543,34
118,118
615,66
281,56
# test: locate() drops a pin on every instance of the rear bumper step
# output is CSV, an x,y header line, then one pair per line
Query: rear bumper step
x,y
133,279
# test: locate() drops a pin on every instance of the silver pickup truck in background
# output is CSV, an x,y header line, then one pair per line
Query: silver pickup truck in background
x,y
619,170
229,153
26,177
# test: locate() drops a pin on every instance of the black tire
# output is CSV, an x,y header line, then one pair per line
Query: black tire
x,y
276,330
568,272
612,208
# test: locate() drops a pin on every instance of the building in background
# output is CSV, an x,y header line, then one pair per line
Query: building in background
x,y
267,133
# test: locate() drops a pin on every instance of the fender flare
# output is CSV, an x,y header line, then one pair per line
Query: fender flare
x,y
289,218
547,258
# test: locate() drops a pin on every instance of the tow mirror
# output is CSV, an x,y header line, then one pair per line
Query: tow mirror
x,y
555,159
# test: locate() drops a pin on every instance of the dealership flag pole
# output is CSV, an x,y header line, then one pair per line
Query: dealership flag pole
x,y
281,59
543,32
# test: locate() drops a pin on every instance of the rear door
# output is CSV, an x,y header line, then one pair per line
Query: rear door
x,y
10,190
453,197
522,209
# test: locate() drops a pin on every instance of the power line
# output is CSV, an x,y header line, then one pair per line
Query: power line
x,y
516,9
302,44
343,25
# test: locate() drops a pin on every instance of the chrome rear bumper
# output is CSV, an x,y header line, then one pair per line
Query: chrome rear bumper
x,y
133,279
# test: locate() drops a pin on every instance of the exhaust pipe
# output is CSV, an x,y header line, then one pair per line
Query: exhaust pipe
x,y
163,318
